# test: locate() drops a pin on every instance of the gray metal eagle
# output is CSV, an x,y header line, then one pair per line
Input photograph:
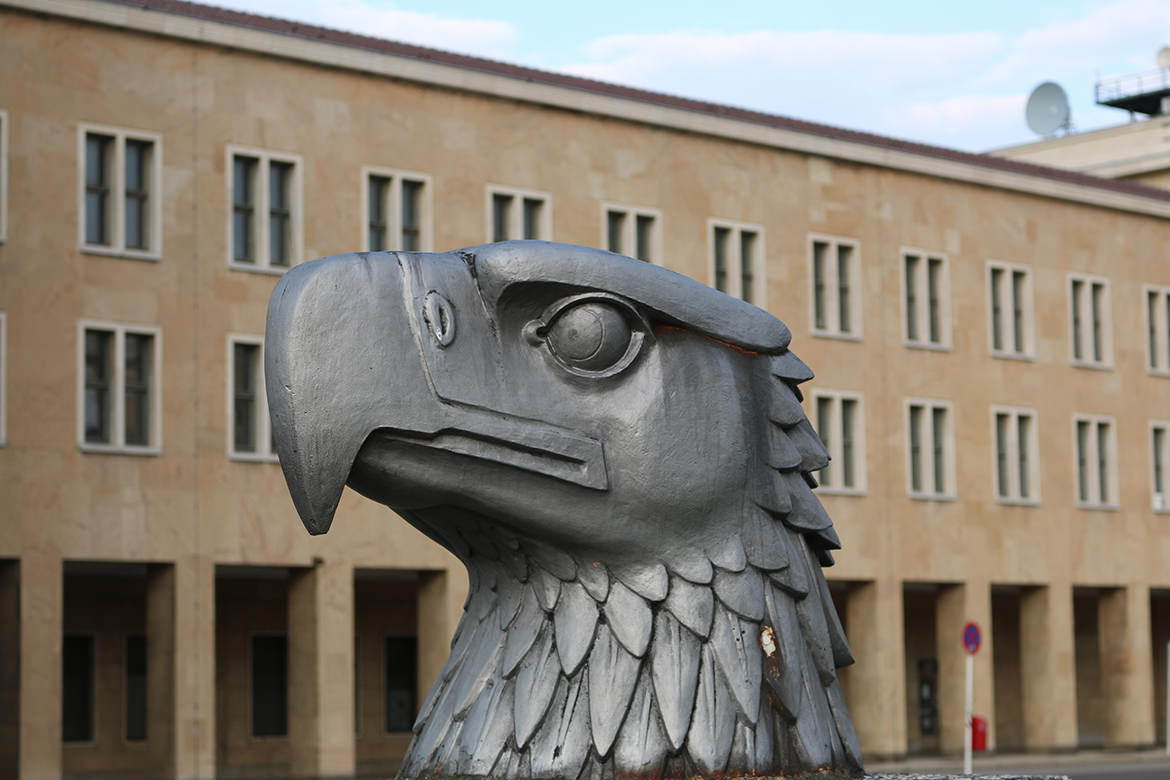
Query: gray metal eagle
x,y
619,456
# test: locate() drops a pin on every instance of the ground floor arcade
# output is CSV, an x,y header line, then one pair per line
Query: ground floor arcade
x,y
194,669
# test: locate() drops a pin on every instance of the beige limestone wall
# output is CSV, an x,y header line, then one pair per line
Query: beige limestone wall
x,y
195,506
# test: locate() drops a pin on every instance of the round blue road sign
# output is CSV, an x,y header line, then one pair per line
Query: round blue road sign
x,y
972,638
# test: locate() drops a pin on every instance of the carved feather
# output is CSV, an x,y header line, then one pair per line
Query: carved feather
x,y
613,673
806,514
811,613
537,678
523,632
713,720
559,563
630,618
547,588
742,591
574,619
728,553
764,541
649,580
693,605
562,744
790,368
509,593
594,576
487,728
736,647
674,666
642,746
812,450
690,563
782,671
783,408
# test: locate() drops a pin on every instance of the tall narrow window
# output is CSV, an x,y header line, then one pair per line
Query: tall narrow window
x,y
1010,304
135,688
139,351
1158,330
77,688
251,437
120,184
279,213
378,193
839,424
930,449
926,299
737,266
1091,322
137,190
1160,457
614,220
1015,473
119,403
1096,461
99,378
722,239
835,276
269,685
98,150
518,214
645,238
412,229
401,658
265,210
244,208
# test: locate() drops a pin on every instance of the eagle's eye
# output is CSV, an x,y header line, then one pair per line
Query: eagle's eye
x,y
592,335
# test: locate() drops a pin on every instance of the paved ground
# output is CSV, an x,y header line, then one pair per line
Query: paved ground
x,y
1085,765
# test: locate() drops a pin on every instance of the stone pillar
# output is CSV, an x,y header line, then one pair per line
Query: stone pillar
x,y
320,650
877,680
42,588
9,668
1048,668
191,582
1127,674
957,605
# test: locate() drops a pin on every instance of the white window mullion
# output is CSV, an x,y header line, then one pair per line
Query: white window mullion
x,y
117,210
832,290
118,391
922,292
1161,357
1013,455
393,214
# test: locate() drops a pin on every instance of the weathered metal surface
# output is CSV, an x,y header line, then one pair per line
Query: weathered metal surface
x,y
618,455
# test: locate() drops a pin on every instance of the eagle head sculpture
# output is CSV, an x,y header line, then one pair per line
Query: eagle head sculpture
x,y
619,456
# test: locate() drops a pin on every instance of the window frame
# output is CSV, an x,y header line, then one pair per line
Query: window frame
x,y
263,430
1159,504
759,293
1105,363
630,230
833,330
1013,497
3,175
117,445
1157,353
117,206
834,486
1092,472
922,318
949,469
516,213
260,209
392,208
1027,305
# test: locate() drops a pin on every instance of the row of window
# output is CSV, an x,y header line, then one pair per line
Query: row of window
x,y
930,452
120,395
121,175
268,676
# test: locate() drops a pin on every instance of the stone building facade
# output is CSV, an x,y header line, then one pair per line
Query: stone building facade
x,y
991,341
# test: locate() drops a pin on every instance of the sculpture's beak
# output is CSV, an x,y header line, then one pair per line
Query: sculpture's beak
x,y
335,328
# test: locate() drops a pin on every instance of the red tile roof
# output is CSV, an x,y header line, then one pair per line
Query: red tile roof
x,y
522,73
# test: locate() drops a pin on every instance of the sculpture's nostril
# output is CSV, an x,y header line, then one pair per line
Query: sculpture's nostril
x,y
440,317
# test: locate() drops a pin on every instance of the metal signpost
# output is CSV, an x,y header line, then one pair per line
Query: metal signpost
x,y
972,638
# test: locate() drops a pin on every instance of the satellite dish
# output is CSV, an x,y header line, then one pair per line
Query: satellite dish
x,y
1047,110
1164,58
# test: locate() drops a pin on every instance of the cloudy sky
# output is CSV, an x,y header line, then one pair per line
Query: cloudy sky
x,y
947,73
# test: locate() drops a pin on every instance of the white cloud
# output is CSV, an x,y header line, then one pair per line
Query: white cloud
x,y
482,37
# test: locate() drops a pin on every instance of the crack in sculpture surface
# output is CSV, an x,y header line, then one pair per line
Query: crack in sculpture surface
x,y
619,457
